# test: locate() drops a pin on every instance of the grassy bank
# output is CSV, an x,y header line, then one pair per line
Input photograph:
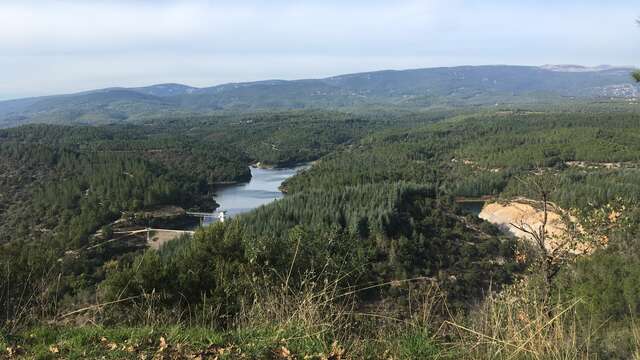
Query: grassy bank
x,y
93,342
515,323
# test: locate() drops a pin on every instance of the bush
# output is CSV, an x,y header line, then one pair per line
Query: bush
x,y
210,268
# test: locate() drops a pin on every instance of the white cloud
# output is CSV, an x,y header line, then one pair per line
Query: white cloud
x,y
54,46
67,26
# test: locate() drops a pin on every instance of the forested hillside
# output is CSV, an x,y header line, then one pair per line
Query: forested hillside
x,y
369,251
76,179
481,86
595,156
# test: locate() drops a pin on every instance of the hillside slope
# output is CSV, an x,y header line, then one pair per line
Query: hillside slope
x,y
419,88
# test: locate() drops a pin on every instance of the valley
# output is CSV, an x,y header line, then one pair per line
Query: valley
x,y
388,210
319,180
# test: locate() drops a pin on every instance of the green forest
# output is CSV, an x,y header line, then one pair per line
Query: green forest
x,y
370,254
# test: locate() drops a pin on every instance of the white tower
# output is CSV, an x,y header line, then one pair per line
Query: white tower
x,y
221,215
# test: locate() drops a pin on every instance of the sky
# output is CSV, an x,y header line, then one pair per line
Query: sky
x,y
62,46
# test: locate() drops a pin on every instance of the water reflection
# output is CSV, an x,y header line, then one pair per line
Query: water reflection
x,y
262,189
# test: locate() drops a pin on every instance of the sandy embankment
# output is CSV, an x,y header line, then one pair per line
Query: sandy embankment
x,y
520,213
524,213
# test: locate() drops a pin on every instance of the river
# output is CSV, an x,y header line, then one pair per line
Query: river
x,y
262,189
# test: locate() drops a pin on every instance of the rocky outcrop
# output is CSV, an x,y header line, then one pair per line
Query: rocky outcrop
x,y
527,213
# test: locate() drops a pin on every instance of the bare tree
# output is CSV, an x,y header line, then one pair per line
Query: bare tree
x,y
553,250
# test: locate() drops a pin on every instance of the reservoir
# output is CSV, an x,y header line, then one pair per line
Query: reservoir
x,y
262,189
472,207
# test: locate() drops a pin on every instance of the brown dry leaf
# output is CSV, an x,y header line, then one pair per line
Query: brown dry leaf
x,y
614,215
282,353
386,355
163,344
522,317
337,352
14,351
54,349
216,352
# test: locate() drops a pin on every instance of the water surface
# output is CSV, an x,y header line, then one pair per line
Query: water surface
x,y
262,189
473,207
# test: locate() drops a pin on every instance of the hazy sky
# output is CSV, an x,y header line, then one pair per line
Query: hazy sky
x,y
61,46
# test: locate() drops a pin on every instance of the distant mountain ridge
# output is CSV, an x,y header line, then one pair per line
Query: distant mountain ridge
x,y
580,68
444,86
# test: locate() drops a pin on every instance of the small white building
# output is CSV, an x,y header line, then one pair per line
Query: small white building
x,y
221,215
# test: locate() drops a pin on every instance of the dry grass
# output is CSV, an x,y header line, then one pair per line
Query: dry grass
x,y
306,315
320,316
518,324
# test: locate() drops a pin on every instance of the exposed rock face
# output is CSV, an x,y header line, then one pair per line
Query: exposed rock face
x,y
526,213
520,213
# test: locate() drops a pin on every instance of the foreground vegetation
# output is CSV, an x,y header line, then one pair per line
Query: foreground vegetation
x,y
368,256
